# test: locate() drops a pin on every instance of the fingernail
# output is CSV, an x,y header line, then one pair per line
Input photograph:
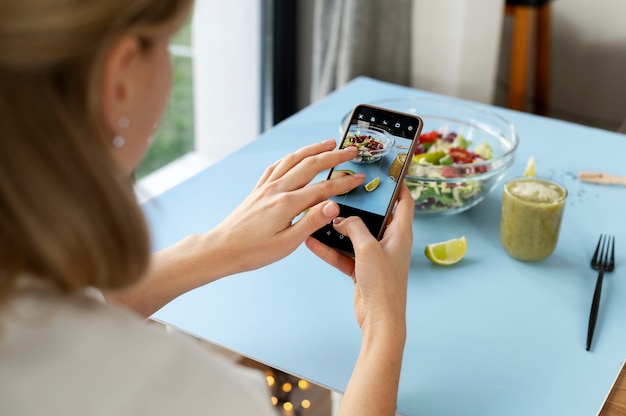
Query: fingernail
x,y
330,210
338,220
329,141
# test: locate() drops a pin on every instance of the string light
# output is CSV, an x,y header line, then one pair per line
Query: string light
x,y
283,386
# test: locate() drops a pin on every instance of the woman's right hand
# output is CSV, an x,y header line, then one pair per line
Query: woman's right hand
x,y
379,269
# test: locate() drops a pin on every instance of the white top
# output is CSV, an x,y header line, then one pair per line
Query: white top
x,y
62,355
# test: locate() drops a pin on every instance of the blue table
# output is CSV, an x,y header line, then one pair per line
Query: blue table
x,y
488,336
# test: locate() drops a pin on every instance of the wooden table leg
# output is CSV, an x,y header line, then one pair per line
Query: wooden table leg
x,y
520,48
542,60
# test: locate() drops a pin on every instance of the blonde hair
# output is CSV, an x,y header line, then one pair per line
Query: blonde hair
x,y
67,213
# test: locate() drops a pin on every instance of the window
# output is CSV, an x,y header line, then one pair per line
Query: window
x,y
175,135
216,102
228,68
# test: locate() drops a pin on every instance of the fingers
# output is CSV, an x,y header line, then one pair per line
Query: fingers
x,y
405,208
315,218
361,237
401,224
331,256
322,190
400,230
288,162
280,167
266,174
298,169
318,216
291,175
406,203
302,173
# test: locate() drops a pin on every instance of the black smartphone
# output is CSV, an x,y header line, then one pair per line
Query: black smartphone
x,y
386,142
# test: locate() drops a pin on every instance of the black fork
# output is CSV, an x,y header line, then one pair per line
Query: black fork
x,y
603,260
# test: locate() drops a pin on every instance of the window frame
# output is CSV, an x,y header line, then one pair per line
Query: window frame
x,y
228,115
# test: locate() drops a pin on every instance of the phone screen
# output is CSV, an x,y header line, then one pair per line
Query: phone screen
x,y
386,141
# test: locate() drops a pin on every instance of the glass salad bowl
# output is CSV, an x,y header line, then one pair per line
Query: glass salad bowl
x,y
465,150
372,143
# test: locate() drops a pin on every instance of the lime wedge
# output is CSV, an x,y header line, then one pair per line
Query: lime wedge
x,y
373,184
530,169
447,252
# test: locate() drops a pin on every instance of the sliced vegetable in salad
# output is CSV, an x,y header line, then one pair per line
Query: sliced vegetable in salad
x,y
445,150
363,141
440,197
438,147
369,147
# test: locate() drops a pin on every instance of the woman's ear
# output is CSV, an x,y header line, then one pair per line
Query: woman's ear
x,y
119,72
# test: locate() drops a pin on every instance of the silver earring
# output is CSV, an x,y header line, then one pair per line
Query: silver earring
x,y
118,140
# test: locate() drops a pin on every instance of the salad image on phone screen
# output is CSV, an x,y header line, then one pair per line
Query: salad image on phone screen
x,y
383,138
378,150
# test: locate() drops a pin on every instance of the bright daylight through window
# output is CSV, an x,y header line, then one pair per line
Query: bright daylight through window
x,y
175,135
217,86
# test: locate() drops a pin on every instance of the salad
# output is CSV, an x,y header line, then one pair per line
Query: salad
x,y
451,153
369,147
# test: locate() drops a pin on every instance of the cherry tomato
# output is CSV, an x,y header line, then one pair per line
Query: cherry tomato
x,y
460,155
429,137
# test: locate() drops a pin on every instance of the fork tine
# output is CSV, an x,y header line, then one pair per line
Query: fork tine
x,y
594,259
604,257
605,252
611,263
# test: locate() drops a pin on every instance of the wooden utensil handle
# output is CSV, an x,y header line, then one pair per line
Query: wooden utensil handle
x,y
601,178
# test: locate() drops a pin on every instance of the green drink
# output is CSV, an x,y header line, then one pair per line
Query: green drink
x,y
531,217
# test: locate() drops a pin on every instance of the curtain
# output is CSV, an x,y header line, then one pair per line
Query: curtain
x,y
360,37
446,46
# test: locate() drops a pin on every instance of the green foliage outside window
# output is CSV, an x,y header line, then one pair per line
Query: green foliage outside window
x,y
175,134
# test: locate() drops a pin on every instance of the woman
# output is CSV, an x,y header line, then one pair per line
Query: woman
x,y
82,85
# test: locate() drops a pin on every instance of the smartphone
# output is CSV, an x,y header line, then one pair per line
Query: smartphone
x,y
386,140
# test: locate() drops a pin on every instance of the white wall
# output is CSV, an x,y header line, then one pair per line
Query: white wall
x,y
455,47
227,75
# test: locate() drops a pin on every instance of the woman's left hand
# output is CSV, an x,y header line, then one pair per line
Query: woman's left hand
x,y
262,230
259,231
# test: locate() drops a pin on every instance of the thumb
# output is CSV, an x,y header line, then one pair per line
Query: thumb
x,y
318,216
357,232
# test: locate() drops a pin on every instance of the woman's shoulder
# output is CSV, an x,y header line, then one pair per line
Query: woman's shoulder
x,y
76,352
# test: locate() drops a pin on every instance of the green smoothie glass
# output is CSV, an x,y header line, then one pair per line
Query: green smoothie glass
x,y
532,210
